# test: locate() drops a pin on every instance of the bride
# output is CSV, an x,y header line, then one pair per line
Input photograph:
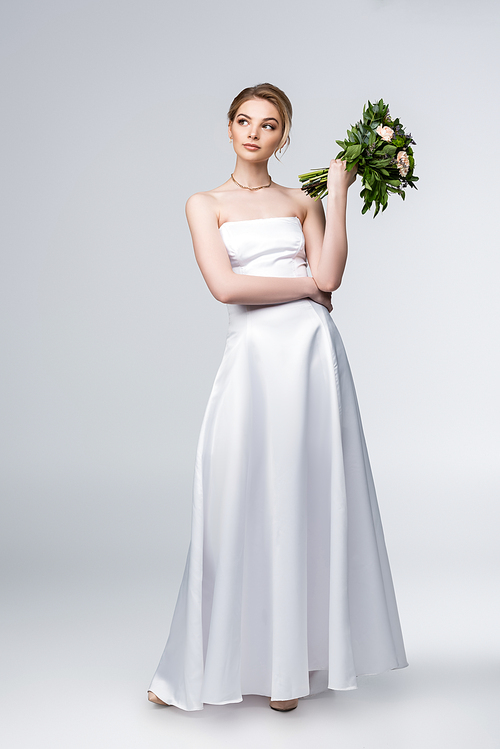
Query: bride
x,y
287,589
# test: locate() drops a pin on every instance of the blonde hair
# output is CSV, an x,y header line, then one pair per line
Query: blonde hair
x,y
277,97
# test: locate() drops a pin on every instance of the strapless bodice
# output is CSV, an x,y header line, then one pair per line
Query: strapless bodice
x,y
266,246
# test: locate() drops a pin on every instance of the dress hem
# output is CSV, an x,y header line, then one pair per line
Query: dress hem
x,y
303,696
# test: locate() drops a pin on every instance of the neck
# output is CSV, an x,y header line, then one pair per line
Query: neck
x,y
251,175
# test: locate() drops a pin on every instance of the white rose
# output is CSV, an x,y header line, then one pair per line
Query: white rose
x,y
403,163
385,132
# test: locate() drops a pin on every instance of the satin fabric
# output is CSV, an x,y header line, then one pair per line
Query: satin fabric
x,y
287,588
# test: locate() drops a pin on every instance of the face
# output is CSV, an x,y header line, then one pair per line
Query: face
x,y
256,130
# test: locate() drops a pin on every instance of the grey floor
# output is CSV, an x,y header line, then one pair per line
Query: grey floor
x,y
81,646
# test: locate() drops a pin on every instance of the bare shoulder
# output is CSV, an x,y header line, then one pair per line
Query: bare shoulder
x,y
200,201
305,206
201,206
206,204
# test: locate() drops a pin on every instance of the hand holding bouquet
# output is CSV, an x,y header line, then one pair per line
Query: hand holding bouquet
x,y
382,152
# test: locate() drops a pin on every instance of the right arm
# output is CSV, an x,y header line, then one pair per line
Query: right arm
x,y
229,287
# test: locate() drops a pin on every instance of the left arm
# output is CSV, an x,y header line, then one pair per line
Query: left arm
x,y
326,246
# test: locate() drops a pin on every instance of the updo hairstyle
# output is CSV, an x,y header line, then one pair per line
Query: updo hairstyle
x,y
277,97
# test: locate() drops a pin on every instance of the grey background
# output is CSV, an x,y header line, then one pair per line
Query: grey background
x,y
113,113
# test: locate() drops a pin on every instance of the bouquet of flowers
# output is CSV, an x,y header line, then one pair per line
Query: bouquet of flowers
x,y
383,153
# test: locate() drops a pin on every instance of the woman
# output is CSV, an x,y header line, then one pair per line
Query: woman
x,y
287,589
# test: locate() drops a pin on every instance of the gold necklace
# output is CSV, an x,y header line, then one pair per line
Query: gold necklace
x,y
251,188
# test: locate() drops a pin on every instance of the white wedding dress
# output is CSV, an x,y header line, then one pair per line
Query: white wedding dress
x,y
287,589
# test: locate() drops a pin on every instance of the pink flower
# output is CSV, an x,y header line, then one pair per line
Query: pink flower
x,y
403,163
385,132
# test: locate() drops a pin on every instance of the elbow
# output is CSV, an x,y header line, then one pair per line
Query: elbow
x,y
223,297
226,289
329,285
223,294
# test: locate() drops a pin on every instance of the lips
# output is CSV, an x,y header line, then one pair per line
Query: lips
x,y
251,146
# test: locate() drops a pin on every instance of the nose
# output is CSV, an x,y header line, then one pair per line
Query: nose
x,y
254,134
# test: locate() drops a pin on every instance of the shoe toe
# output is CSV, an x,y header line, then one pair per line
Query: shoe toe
x,y
283,706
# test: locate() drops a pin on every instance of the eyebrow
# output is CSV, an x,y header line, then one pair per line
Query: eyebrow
x,y
241,114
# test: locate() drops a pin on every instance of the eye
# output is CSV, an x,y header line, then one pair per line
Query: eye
x,y
268,124
243,120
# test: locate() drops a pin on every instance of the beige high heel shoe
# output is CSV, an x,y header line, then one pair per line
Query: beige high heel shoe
x,y
283,705
153,698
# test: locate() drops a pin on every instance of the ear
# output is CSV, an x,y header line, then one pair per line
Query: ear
x,y
229,132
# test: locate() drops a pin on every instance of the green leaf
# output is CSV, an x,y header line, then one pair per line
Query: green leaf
x,y
354,151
